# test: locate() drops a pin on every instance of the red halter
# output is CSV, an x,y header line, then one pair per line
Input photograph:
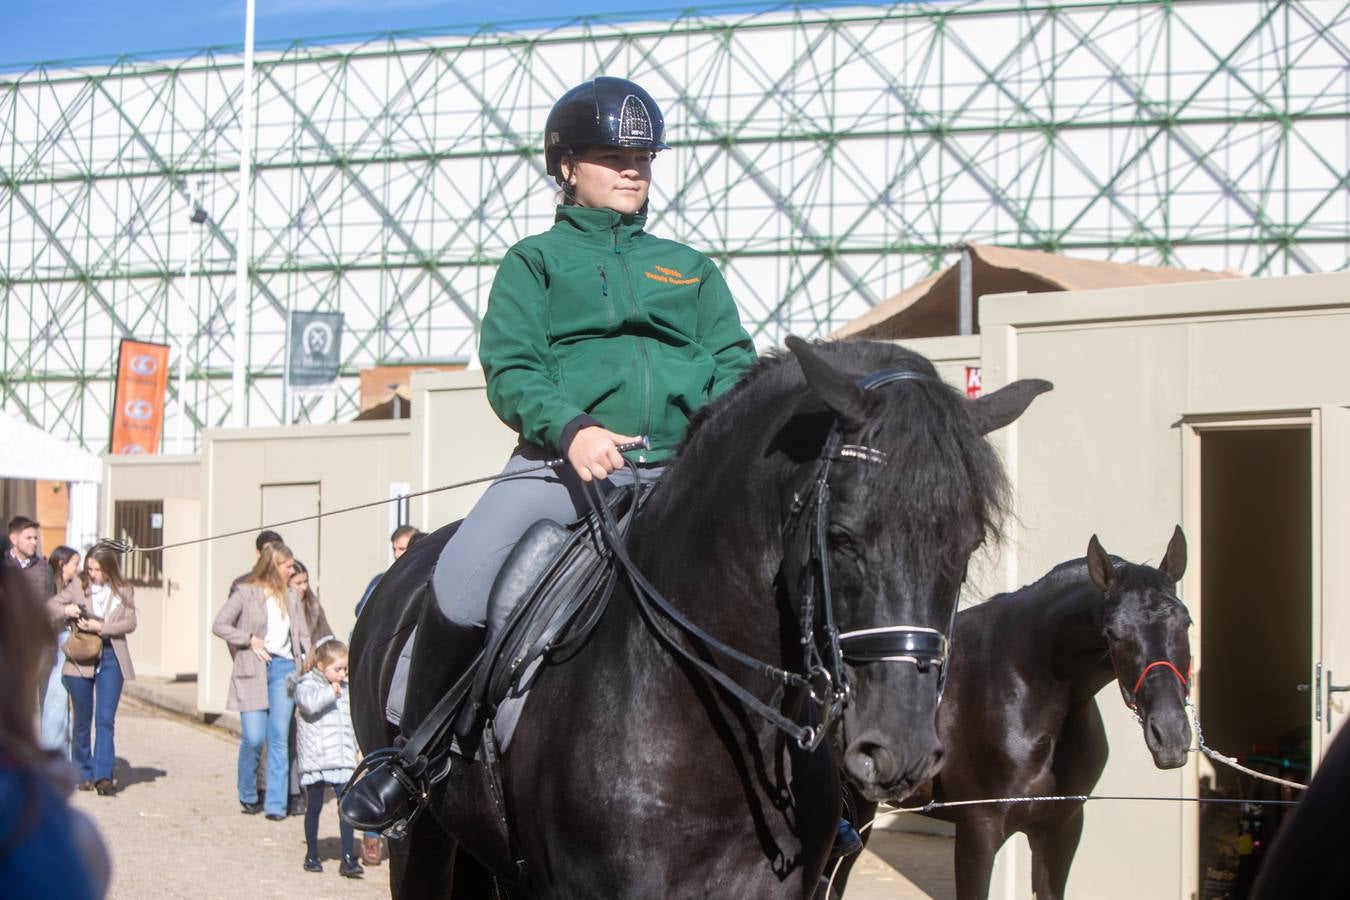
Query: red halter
x,y
1156,664
1185,682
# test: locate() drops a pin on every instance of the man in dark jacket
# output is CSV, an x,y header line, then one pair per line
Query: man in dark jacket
x,y
23,555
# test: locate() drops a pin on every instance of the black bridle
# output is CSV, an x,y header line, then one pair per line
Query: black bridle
x,y
824,674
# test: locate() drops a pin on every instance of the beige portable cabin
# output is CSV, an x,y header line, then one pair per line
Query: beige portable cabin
x,y
1224,406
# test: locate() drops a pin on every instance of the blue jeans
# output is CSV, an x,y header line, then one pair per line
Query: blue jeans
x,y
95,699
55,727
272,725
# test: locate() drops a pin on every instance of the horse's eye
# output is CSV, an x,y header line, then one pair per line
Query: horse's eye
x,y
841,540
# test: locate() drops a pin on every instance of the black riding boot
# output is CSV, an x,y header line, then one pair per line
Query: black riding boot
x,y
442,652
387,792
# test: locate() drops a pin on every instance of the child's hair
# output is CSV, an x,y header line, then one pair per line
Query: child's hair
x,y
324,652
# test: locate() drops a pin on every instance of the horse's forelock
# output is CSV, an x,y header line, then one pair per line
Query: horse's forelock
x,y
941,467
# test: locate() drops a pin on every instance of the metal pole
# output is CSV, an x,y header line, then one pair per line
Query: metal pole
x,y
243,243
182,334
966,293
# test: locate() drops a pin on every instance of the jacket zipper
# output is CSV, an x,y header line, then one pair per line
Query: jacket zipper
x,y
604,292
642,342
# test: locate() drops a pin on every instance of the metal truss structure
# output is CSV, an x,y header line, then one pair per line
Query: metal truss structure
x,y
826,159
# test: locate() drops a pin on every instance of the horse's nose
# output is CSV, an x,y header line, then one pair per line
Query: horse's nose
x,y
1168,736
870,762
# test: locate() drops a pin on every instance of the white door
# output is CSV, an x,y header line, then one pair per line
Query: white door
x,y
182,586
1331,640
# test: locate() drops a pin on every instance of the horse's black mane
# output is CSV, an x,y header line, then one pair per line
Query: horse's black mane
x,y
1131,575
940,470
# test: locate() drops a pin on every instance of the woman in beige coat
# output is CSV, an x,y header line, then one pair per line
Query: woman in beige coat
x,y
101,602
264,626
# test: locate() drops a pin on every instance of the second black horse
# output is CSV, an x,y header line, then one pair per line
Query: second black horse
x,y
1020,716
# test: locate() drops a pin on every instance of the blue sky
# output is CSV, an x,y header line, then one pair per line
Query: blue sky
x,y
51,30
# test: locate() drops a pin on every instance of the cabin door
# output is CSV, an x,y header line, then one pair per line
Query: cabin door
x,y
1329,678
1252,513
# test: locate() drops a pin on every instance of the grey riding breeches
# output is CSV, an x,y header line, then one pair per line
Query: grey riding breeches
x,y
469,563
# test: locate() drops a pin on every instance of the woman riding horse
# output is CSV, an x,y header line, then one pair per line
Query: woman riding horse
x,y
782,616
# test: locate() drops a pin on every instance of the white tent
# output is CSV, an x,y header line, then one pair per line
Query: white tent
x,y
29,453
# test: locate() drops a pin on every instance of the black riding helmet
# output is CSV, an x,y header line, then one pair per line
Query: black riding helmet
x,y
609,112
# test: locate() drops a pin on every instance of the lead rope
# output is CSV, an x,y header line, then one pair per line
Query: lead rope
x,y
1230,761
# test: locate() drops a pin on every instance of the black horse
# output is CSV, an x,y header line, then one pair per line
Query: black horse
x,y
1020,717
634,774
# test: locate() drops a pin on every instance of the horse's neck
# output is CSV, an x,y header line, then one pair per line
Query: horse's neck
x,y
706,551
1072,618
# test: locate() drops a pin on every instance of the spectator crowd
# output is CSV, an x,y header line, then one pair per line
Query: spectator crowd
x,y
64,622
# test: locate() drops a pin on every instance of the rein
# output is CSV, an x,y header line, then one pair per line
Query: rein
x,y
824,675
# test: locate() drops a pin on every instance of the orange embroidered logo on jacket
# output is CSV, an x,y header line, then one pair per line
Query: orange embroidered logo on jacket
x,y
669,276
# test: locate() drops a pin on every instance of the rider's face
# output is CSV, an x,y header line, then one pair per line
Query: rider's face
x,y
616,178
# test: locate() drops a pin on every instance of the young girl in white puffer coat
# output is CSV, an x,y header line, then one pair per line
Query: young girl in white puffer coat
x,y
326,744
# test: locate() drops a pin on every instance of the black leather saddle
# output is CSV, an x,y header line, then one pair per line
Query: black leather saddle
x,y
551,591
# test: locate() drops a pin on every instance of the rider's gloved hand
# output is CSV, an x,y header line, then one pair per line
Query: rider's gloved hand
x,y
594,452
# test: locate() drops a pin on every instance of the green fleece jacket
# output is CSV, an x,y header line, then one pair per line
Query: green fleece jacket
x,y
597,322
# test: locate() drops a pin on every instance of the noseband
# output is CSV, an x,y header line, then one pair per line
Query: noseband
x,y
920,646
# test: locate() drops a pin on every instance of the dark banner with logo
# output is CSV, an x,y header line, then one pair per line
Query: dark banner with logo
x,y
138,402
315,355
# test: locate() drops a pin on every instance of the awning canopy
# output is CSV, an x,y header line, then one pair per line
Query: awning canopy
x,y
28,452
932,306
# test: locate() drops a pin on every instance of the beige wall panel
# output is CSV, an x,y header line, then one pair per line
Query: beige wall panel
x,y
166,641
457,437
351,464
148,478
1269,362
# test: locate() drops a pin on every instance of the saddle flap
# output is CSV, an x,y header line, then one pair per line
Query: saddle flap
x,y
551,576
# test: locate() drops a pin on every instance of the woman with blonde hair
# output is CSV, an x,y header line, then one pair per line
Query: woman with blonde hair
x,y
101,602
264,626
47,849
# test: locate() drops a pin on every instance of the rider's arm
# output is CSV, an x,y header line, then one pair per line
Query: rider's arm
x,y
517,360
720,331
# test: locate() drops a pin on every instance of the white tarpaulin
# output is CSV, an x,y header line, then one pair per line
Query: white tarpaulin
x,y
30,453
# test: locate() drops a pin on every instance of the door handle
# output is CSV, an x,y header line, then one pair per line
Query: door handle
x,y
1332,688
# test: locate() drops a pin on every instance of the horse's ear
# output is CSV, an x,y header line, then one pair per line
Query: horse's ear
x,y
1099,565
836,388
1174,561
993,411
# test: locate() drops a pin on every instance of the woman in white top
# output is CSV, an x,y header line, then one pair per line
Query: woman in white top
x,y
101,602
265,628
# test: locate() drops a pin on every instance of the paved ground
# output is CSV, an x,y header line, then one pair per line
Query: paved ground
x,y
175,829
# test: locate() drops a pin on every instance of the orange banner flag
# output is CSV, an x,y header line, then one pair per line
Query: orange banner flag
x,y
138,404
